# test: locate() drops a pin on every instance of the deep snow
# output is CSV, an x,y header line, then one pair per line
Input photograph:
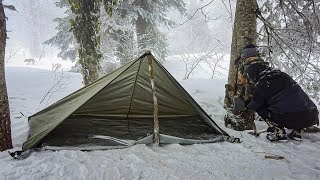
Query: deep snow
x,y
27,86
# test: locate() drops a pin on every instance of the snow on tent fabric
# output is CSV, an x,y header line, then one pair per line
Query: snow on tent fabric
x,y
117,111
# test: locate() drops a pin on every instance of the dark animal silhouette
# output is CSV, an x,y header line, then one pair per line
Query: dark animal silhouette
x,y
29,61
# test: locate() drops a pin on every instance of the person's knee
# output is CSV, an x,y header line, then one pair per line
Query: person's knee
x,y
264,113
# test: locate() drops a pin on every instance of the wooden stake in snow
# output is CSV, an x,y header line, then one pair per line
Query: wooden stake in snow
x,y
273,156
156,136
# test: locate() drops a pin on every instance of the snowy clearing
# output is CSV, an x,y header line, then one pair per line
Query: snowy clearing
x,y
26,88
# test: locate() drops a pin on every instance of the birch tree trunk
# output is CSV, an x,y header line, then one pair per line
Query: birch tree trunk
x,y
244,33
156,135
5,128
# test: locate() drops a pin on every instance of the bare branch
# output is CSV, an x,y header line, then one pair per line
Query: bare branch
x,y
58,85
228,10
10,7
12,54
199,9
306,21
268,26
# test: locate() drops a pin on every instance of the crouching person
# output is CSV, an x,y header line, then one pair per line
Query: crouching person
x,y
278,99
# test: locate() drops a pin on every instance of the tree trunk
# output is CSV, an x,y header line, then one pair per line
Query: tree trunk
x,y
5,128
86,27
89,69
244,33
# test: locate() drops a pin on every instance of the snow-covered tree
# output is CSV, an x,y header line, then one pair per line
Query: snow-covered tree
x,y
193,35
151,14
134,27
244,33
64,39
35,18
291,32
5,127
119,35
86,29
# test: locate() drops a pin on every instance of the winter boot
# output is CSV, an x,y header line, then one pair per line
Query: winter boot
x,y
279,134
271,129
295,135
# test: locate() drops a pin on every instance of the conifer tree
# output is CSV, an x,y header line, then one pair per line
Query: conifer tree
x,y
86,27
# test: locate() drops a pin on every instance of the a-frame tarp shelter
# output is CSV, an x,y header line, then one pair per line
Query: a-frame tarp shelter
x,y
117,111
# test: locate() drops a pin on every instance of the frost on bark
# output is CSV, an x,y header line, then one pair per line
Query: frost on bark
x,y
5,129
244,33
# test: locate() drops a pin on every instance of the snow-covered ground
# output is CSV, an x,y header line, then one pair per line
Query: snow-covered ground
x,y
27,87
30,90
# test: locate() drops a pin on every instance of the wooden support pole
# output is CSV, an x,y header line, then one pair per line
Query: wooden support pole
x,y
156,135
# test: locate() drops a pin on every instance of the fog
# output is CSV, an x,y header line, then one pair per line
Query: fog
x,y
202,30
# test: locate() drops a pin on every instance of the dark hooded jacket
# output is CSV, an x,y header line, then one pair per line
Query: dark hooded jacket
x,y
279,96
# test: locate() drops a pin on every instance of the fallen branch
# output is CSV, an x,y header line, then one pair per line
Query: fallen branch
x,y
273,156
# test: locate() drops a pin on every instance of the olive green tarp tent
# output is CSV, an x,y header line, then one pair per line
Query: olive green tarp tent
x,y
117,111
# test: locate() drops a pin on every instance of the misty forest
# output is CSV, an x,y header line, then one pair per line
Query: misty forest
x,y
159,89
